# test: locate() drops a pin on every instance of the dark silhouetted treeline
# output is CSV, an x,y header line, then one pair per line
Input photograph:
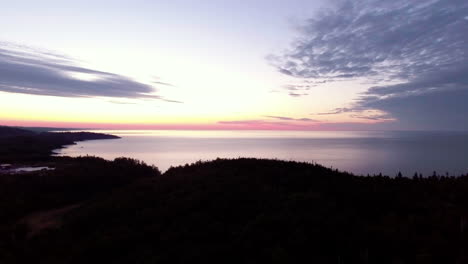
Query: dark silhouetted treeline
x,y
239,211
12,131
73,182
20,145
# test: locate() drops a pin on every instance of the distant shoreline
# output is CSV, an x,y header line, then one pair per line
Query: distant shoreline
x,y
20,145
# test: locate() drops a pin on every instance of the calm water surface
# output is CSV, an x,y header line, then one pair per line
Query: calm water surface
x,y
359,152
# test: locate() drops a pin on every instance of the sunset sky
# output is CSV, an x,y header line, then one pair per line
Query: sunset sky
x,y
280,65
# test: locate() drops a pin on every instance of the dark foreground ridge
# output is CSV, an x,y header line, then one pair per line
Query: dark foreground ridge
x,y
90,210
21,145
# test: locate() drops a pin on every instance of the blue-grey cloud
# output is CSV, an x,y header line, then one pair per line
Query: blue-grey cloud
x,y
30,71
438,110
420,46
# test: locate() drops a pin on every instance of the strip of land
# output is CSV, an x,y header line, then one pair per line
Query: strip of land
x,y
21,145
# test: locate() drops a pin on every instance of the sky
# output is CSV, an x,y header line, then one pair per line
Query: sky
x,y
275,65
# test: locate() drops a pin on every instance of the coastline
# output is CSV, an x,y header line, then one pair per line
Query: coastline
x,y
23,146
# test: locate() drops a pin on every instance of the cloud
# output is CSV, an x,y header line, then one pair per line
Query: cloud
x,y
30,71
373,37
415,51
337,111
279,123
172,101
438,110
163,83
265,125
284,118
297,90
242,122
121,102
297,87
374,117
297,94
258,124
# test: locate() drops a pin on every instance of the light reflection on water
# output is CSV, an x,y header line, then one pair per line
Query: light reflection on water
x,y
360,152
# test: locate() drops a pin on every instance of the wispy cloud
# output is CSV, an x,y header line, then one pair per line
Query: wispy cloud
x,y
374,117
172,101
358,112
285,118
31,71
158,81
297,90
272,123
420,47
366,122
163,83
263,125
121,102
294,94
337,111
242,122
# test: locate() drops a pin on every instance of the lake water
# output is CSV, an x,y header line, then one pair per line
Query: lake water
x,y
30,169
362,152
